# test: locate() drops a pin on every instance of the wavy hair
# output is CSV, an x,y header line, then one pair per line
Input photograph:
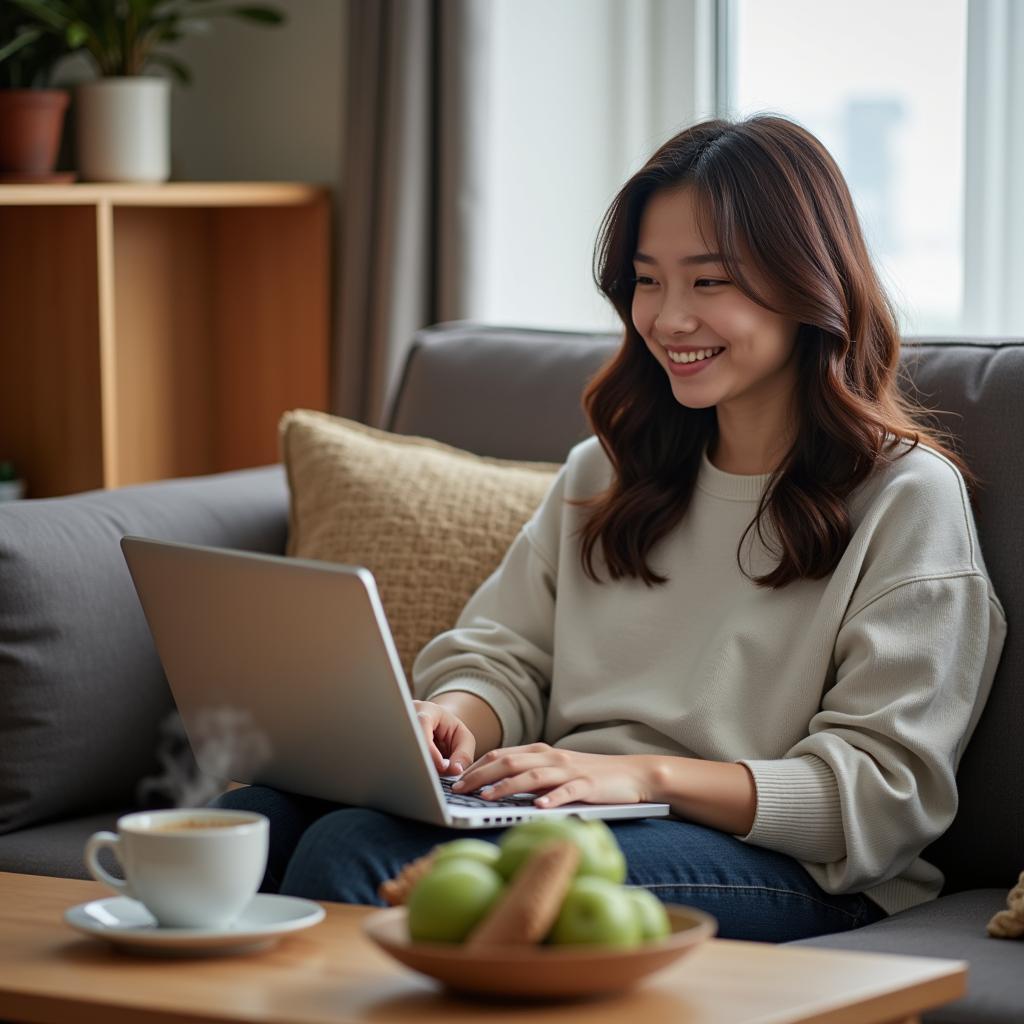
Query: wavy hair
x,y
764,187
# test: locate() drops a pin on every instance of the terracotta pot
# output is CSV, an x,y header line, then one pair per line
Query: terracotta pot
x,y
31,122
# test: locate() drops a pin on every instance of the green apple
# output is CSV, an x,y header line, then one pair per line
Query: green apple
x,y
473,849
448,902
596,912
600,855
650,914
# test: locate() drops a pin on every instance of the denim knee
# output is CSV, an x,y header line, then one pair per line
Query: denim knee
x,y
289,817
238,799
346,854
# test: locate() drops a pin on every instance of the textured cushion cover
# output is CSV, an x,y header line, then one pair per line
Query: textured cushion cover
x,y
952,928
429,521
82,693
55,848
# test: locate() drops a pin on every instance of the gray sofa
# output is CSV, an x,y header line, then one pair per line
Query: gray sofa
x,y
83,698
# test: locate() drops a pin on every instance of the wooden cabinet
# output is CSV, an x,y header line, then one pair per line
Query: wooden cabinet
x,y
157,331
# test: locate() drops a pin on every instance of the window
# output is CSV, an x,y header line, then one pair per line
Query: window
x,y
581,93
918,101
883,85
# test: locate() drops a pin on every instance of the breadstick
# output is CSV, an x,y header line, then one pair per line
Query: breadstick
x,y
526,910
395,891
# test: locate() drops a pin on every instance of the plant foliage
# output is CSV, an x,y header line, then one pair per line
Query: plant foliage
x,y
123,37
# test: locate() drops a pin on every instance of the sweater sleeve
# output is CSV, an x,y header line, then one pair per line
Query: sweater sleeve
x,y
501,648
873,782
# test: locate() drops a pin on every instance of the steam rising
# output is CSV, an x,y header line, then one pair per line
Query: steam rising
x,y
226,740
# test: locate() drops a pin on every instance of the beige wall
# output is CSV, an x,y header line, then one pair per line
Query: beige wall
x,y
265,103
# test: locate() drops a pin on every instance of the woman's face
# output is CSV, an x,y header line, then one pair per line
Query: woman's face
x,y
685,307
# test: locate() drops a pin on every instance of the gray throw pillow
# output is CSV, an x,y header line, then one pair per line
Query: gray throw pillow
x,y
82,693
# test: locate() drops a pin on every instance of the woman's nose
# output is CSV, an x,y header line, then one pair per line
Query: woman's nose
x,y
674,318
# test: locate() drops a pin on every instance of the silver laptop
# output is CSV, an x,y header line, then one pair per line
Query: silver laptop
x,y
285,674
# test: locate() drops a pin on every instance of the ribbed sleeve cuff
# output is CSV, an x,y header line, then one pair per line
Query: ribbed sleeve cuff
x,y
798,809
487,690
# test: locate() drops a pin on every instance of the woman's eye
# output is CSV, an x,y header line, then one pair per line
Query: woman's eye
x,y
704,282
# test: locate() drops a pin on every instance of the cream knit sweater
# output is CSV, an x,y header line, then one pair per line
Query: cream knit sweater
x,y
849,698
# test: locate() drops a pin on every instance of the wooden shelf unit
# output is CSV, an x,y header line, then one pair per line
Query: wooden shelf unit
x,y
158,331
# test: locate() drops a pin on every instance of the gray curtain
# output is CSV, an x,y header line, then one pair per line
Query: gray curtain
x,y
413,171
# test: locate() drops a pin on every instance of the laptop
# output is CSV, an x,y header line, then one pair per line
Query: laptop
x,y
285,674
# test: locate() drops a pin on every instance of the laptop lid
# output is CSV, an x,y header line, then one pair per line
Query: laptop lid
x,y
285,674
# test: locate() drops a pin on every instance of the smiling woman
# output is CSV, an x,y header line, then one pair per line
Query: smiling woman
x,y
744,236
756,594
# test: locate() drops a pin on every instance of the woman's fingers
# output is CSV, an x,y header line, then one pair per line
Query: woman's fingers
x,y
504,753
451,744
560,776
503,761
567,793
536,780
462,747
520,774
428,724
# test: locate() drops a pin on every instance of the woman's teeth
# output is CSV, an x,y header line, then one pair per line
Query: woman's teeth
x,y
693,357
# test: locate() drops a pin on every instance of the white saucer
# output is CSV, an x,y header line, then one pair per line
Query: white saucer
x,y
127,923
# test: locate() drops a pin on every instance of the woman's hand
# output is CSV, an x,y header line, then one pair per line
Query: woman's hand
x,y
562,776
452,746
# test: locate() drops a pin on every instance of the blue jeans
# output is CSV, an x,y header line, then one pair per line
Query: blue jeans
x,y
326,851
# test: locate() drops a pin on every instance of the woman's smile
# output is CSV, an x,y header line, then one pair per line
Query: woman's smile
x,y
686,362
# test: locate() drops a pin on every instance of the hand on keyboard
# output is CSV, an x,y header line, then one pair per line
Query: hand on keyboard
x,y
471,800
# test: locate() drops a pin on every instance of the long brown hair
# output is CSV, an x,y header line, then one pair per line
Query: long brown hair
x,y
767,188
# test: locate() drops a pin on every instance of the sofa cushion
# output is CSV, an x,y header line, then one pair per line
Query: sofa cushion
x,y
509,392
55,847
429,521
952,927
976,388
82,693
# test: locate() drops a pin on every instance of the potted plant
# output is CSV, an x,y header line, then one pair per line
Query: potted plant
x,y
31,113
123,118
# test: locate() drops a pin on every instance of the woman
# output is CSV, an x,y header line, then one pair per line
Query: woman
x,y
756,594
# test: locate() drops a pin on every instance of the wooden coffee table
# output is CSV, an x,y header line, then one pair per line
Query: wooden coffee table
x,y
331,973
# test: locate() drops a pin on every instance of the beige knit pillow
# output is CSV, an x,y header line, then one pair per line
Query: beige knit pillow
x,y
429,521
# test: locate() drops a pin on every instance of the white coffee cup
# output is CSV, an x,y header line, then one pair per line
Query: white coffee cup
x,y
195,868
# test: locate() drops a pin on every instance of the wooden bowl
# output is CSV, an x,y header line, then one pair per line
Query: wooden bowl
x,y
538,971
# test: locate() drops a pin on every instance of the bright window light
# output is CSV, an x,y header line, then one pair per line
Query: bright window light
x,y
882,84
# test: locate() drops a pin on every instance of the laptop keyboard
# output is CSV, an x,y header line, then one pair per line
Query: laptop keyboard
x,y
462,800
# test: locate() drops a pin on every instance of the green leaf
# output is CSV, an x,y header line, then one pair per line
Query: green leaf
x,y
77,35
141,9
266,15
119,35
26,38
48,14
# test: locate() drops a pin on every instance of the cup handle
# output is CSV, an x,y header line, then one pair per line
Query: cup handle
x,y
96,842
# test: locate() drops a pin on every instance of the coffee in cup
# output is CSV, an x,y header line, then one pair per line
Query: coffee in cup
x,y
185,824
193,868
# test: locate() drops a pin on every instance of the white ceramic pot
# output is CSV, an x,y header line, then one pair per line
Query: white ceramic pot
x,y
123,129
